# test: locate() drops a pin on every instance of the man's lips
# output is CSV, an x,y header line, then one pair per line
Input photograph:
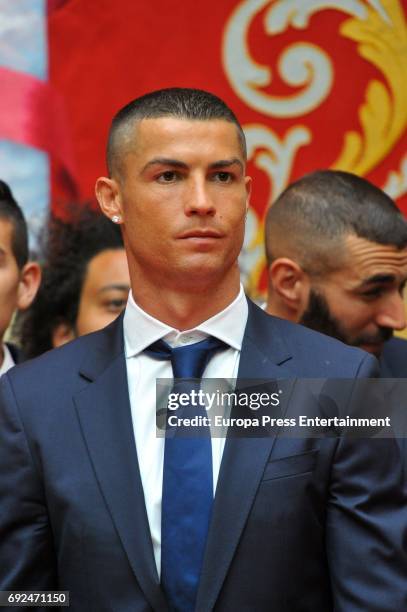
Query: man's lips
x,y
201,234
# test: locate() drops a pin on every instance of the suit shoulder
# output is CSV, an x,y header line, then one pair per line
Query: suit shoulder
x,y
301,335
312,353
59,366
306,336
63,356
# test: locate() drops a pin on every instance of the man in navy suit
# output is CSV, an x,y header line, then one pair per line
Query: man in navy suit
x,y
337,253
293,524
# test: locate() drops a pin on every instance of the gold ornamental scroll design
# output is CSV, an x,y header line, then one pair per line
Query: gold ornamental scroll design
x,y
383,116
302,65
378,27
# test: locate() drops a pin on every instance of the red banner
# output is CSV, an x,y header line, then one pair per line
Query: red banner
x,y
315,84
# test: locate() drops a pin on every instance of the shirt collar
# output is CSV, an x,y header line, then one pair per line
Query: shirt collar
x,y
141,329
8,361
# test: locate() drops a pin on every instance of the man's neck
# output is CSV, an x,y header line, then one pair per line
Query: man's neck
x,y
185,309
273,308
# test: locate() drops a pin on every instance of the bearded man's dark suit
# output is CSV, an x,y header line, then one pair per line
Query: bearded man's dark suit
x,y
393,360
393,364
298,525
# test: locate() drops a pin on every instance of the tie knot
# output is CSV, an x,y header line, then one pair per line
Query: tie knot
x,y
187,361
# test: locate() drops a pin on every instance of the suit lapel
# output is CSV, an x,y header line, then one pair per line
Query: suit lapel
x,y
244,459
103,409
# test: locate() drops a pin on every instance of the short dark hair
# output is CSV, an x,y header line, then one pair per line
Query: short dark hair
x,y
10,210
184,103
70,246
313,215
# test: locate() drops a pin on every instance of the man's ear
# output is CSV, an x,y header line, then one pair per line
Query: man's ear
x,y
61,334
248,186
108,195
290,285
30,279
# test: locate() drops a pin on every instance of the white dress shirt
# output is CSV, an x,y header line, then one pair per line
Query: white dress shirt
x,y
141,330
8,361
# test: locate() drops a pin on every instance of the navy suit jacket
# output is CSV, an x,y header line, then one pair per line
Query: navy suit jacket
x,y
393,360
393,364
299,525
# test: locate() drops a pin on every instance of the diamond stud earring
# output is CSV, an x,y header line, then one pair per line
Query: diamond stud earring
x,y
116,218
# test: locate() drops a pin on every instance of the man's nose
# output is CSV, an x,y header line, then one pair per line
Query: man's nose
x,y
392,313
198,198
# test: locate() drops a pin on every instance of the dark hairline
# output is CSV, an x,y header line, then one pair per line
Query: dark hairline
x,y
327,206
242,142
180,103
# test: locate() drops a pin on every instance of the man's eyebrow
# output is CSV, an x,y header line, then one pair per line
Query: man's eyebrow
x,y
378,278
114,286
165,161
176,163
225,163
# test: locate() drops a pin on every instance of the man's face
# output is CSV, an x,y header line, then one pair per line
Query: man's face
x,y
361,303
104,291
9,276
184,198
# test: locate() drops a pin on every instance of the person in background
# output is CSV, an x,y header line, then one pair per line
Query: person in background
x,y
336,248
85,282
19,277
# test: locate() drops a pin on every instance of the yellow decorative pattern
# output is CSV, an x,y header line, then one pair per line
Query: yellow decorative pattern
x,y
253,280
383,116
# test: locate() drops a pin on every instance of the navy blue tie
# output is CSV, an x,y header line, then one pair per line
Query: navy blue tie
x,y
187,496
